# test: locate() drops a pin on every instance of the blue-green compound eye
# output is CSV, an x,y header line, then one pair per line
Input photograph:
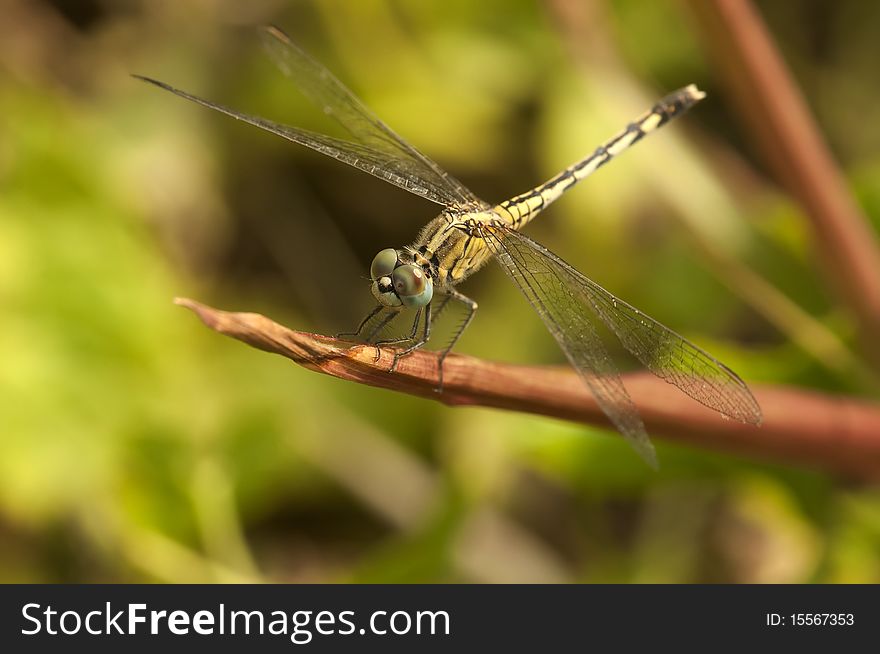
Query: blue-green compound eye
x,y
412,285
383,263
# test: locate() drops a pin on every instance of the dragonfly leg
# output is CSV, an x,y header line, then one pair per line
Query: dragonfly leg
x,y
471,311
403,339
430,315
391,314
426,334
443,304
414,342
357,332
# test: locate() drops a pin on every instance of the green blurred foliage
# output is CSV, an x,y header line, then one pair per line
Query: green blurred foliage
x,y
135,445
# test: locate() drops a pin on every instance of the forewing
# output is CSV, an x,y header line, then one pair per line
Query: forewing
x,y
665,353
322,88
554,290
396,169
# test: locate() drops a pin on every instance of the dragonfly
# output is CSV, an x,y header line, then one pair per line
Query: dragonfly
x,y
468,232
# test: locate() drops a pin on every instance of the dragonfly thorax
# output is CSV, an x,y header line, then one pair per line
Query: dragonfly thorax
x,y
397,280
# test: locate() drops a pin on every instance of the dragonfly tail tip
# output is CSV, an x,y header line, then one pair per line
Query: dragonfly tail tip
x,y
694,93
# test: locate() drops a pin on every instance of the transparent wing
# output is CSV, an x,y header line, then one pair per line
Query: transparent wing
x,y
329,94
396,169
665,353
552,289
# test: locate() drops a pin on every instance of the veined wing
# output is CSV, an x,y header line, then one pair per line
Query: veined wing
x,y
547,283
665,353
402,171
675,359
322,88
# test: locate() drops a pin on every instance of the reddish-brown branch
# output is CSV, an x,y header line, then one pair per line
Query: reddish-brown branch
x,y
800,427
781,126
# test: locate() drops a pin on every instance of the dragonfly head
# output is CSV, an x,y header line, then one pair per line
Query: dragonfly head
x,y
396,283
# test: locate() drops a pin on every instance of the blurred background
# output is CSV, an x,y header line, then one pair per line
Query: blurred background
x,y
136,445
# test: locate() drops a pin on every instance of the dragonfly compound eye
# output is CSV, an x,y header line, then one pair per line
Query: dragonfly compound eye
x,y
383,263
412,285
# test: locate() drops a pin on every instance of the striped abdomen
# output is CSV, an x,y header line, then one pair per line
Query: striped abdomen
x,y
454,251
520,210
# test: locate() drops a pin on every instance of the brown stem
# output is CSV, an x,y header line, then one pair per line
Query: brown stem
x,y
780,123
837,434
